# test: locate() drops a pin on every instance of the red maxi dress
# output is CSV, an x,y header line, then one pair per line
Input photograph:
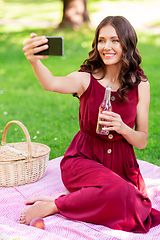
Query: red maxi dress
x,y
102,172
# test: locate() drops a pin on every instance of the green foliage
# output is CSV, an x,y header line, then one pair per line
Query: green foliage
x,y
52,118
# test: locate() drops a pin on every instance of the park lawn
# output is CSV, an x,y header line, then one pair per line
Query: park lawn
x,y
52,118
149,47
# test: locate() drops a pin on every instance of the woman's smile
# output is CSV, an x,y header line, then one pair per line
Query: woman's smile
x,y
109,55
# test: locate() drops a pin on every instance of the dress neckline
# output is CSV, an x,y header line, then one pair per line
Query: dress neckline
x,y
101,84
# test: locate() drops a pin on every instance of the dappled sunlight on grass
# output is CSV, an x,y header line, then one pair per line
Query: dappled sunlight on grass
x,y
19,15
153,39
35,10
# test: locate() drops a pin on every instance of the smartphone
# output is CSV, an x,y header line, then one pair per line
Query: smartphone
x,y
56,47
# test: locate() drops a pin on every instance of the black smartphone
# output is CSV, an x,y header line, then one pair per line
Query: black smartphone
x,y
56,47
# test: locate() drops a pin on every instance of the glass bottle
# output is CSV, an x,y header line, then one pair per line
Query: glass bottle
x,y
105,106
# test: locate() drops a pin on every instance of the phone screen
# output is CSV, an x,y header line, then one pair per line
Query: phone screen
x,y
55,47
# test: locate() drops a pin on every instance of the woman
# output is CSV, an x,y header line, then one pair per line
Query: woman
x,y
101,172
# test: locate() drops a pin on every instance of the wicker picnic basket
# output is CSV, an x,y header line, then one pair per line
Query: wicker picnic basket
x,y
22,162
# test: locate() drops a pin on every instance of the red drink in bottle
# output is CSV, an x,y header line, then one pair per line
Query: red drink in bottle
x,y
105,106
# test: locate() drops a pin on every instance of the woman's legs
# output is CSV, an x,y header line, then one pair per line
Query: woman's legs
x,y
41,206
39,209
100,196
44,198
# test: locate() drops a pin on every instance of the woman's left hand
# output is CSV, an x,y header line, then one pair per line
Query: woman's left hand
x,y
112,122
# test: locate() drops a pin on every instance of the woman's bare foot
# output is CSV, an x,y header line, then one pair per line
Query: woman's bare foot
x,y
37,198
44,198
39,209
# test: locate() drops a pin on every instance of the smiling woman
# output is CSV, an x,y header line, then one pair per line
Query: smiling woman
x,y
95,168
117,32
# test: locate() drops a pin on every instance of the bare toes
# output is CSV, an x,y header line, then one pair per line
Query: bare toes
x,y
39,209
22,219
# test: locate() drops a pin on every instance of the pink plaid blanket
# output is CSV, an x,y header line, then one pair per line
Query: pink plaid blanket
x,y
57,227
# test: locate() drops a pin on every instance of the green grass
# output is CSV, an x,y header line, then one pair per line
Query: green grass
x,y
149,46
52,118
53,115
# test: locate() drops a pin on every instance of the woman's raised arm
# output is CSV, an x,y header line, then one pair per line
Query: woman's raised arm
x,y
75,82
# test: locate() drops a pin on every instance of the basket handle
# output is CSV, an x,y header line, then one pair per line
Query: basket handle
x,y
25,132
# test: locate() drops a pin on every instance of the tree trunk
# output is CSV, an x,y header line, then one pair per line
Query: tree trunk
x,y
75,13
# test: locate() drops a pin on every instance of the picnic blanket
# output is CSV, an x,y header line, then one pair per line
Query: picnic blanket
x,y
58,227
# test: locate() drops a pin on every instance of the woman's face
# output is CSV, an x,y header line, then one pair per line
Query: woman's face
x,y
109,46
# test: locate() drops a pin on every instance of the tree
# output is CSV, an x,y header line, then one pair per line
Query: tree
x,y
75,14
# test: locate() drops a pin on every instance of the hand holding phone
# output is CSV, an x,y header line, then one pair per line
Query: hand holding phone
x,y
56,47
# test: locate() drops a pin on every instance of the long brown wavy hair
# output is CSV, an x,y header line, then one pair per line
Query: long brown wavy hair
x,y
131,58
